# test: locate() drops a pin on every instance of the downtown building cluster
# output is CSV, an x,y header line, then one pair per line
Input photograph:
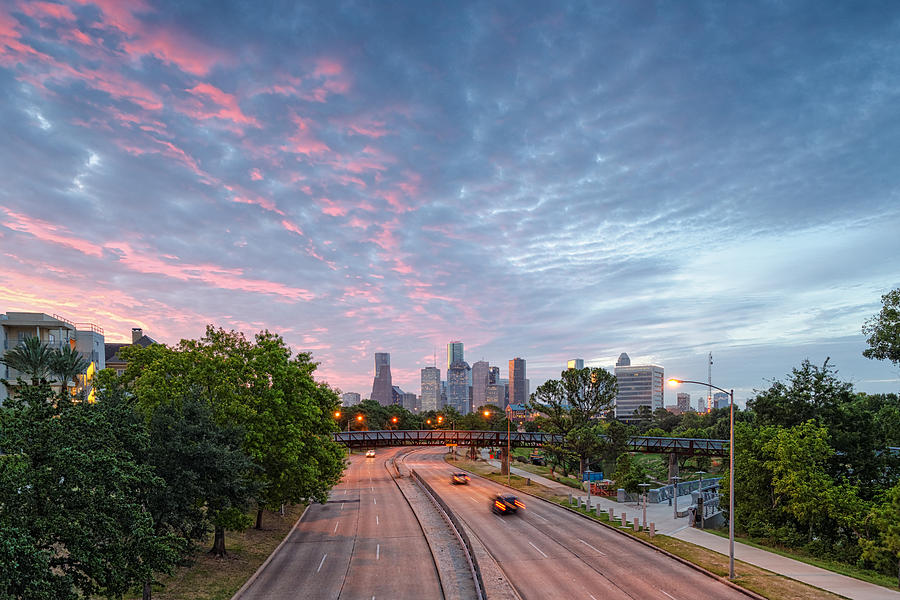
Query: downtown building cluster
x,y
466,388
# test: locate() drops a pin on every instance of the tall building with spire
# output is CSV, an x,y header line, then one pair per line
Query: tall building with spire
x,y
382,387
430,396
481,372
517,388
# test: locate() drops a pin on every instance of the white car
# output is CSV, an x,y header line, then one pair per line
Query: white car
x,y
370,453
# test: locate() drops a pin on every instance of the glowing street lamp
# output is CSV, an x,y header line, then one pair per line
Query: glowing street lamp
x,y
674,382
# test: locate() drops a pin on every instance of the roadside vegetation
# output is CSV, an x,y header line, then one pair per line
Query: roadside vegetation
x,y
99,499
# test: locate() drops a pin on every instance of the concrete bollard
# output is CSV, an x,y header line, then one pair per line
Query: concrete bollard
x,y
624,520
652,528
570,498
637,524
528,481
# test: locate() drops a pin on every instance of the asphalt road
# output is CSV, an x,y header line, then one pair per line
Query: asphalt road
x,y
364,543
548,552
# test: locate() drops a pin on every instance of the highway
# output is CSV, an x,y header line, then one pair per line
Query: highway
x,y
548,552
364,543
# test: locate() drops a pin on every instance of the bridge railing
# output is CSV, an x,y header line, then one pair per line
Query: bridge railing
x,y
519,439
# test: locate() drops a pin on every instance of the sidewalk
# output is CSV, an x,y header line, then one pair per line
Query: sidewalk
x,y
666,524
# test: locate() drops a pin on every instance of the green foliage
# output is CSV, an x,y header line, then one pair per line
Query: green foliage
x,y
72,486
629,474
66,364
883,330
31,357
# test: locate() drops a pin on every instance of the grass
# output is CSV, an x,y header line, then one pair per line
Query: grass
x,y
765,583
888,581
210,578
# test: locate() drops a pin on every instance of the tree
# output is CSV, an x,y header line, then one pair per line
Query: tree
x,y
572,405
883,330
66,364
31,357
286,416
74,491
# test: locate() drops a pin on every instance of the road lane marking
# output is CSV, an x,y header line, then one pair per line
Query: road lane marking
x,y
594,549
668,594
539,550
473,499
540,517
342,506
592,597
335,527
377,551
321,563
376,519
375,500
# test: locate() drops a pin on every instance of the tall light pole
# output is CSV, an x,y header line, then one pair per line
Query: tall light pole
x,y
730,470
508,465
644,487
675,479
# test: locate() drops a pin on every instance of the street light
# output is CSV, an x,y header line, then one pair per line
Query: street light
x,y
675,479
508,466
644,487
359,419
730,469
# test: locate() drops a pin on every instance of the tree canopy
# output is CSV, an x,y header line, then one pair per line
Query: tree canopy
x,y
882,331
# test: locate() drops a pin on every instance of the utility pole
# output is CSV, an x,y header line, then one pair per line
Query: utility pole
x,y
709,389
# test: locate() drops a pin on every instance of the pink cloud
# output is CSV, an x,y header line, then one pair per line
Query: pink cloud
x,y
332,208
255,175
227,104
213,275
291,227
259,201
48,232
303,141
172,151
42,10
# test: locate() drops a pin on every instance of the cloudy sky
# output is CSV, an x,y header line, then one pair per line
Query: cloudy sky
x,y
539,179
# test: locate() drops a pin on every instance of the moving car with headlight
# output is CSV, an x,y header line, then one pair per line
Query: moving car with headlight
x,y
459,478
506,504
370,453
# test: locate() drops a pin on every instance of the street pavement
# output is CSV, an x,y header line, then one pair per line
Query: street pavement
x,y
662,515
548,552
364,543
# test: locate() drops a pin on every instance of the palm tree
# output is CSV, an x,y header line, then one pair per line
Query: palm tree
x,y
31,357
67,364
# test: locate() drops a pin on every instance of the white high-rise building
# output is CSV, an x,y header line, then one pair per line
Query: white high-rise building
x,y
575,363
684,401
430,396
639,385
480,380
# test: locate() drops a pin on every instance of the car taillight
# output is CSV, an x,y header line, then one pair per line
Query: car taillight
x,y
500,505
519,504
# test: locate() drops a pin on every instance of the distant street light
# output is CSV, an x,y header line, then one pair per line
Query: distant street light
x,y
508,465
730,470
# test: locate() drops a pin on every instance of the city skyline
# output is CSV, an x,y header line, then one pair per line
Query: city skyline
x,y
535,180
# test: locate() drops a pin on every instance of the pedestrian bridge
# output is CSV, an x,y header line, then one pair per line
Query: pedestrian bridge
x,y
519,439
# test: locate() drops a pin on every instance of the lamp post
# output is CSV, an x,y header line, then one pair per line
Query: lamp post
x,y
700,503
508,465
675,480
730,469
644,487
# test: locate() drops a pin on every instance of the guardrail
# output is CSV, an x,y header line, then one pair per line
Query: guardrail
x,y
460,532
519,439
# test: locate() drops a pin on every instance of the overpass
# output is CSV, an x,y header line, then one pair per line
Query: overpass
x,y
519,439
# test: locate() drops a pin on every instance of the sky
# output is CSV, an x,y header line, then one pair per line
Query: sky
x,y
545,180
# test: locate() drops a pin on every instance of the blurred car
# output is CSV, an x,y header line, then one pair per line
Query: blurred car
x,y
459,478
506,504
370,453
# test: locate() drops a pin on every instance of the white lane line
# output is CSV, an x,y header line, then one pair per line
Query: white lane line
x,y
376,519
342,506
335,527
668,594
592,597
538,549
373,488
321,563
540,517
594,549
473,499
375,500
377,551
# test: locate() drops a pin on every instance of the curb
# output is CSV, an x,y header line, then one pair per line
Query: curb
x,y
683,561
266,562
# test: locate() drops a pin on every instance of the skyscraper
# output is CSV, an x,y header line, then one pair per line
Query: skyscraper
x,y
458,387
684,401
454,353
517,381
350,399
382,388
639,385
431,389
575,363
721,400
480,381
493,375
